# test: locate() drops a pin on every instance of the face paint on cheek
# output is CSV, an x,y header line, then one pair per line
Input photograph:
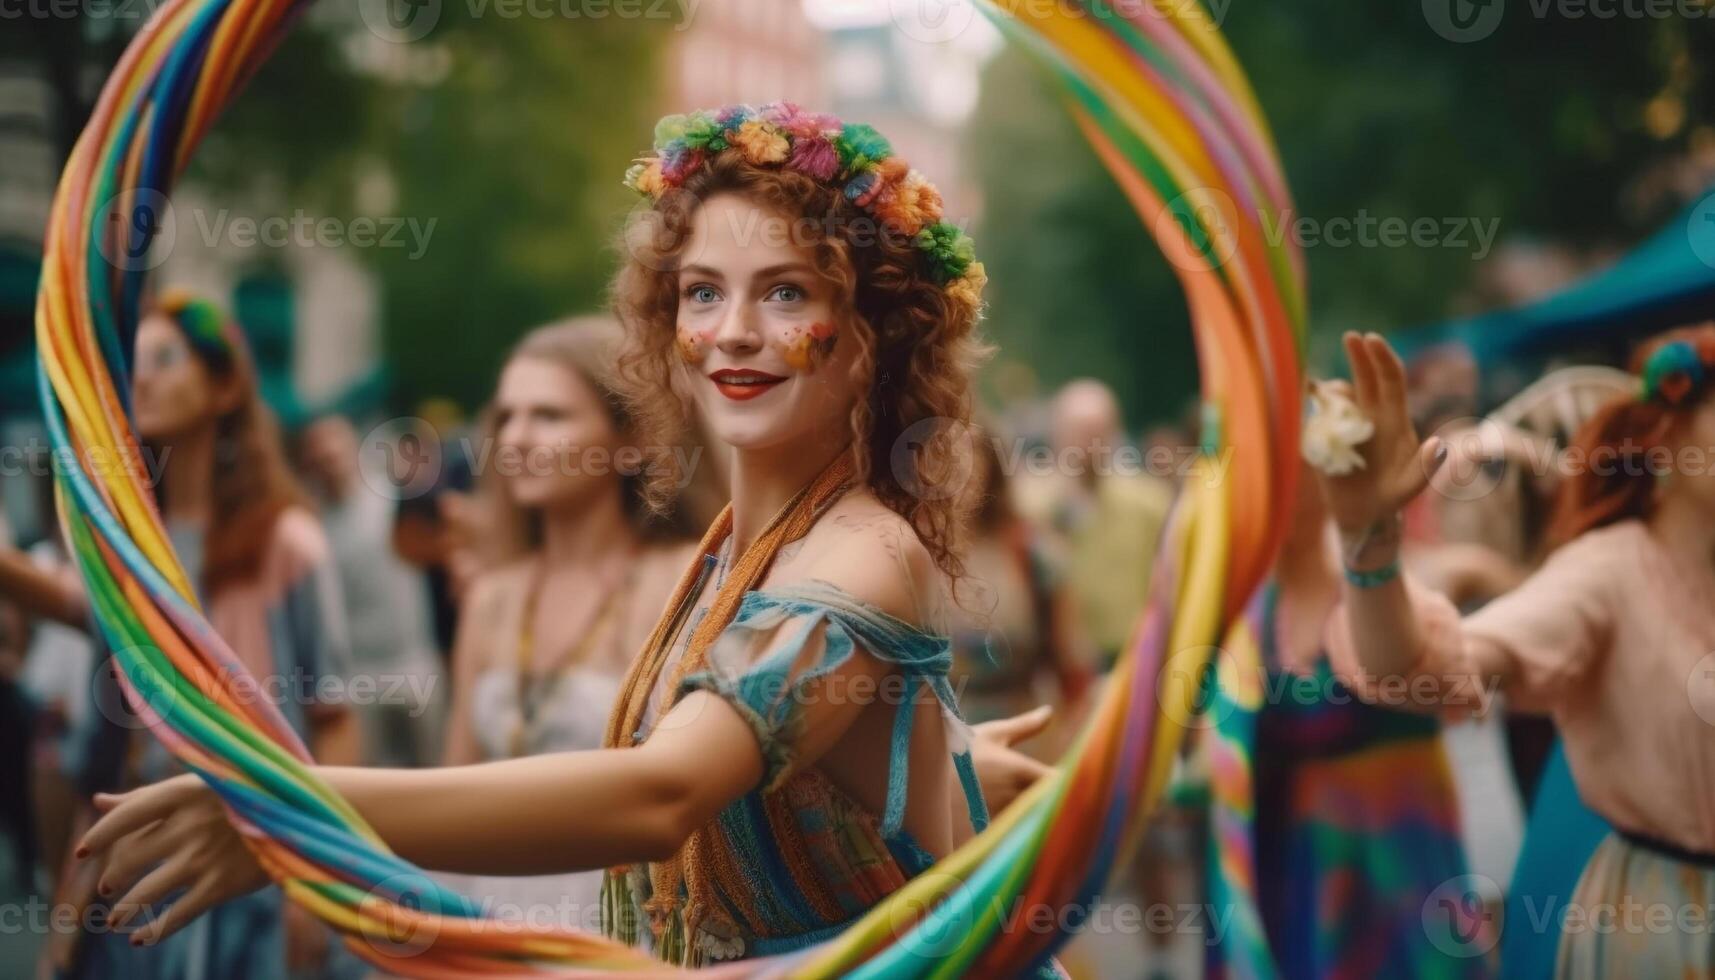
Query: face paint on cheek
x,y
807,348
694,344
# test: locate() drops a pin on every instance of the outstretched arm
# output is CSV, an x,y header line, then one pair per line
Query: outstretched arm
x,y
566,811
58,597
538,815
1386,631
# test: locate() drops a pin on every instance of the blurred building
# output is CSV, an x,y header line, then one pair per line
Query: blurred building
x,y
312,312
850,58
918,93
29,167
746,51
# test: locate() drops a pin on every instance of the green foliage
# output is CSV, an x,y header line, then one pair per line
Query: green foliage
x,y
518,157
509,133
1556,128
1076,285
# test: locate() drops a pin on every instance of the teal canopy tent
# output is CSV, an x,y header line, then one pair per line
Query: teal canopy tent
x,y
1667,281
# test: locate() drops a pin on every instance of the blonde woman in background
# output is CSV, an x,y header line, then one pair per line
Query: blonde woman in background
x,y
558,519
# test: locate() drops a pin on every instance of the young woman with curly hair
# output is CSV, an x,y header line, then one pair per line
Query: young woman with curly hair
x,y
786,750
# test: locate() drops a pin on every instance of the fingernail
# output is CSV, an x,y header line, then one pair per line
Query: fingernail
x,y
1441,453
82,851
103,889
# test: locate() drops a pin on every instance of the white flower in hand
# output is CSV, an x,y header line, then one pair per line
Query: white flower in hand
x,y
1333,430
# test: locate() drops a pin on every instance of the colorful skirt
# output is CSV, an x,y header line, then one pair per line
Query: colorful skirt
x,y
1335,827
1640,910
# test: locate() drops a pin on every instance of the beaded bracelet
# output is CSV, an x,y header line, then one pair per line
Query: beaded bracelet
x,y
1384,531
1370,578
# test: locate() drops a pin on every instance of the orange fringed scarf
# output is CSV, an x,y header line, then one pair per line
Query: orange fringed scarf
x,y
690,868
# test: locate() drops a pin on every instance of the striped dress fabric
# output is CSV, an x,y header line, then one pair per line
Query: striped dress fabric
x,y
1334,824
796,859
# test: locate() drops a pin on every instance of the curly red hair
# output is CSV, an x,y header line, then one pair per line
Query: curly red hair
x,y
1623,437
917,340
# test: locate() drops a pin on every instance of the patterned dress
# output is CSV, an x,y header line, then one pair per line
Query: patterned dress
x,y
1334,823
1612,637
796,860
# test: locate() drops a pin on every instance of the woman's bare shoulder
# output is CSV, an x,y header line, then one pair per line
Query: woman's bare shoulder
x,y
868,550
492,587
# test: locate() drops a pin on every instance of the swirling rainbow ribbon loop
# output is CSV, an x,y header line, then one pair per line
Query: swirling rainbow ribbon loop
x,y
1163,102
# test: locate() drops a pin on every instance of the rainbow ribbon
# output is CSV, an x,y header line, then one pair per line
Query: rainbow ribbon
x,y
1160,97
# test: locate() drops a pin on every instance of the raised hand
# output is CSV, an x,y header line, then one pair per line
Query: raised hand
x,y
1003,771
1396,466
158,839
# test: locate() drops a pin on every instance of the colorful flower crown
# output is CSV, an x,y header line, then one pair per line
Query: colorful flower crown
x,y
1676,371
204,325
851,156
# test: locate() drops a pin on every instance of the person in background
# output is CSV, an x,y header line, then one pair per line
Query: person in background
x,y
1014,625
1333,822
266,578
386,601
431,524
1611,636
1107,517
56,674
577,572
1108,513
17,724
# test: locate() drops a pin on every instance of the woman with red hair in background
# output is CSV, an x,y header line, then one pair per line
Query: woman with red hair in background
x,y
1612,637
264,573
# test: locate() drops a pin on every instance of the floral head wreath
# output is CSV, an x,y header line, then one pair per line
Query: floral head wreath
x,y
850,156
1676,371
205,327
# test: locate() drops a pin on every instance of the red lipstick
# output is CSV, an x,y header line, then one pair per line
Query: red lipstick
x,y
743,385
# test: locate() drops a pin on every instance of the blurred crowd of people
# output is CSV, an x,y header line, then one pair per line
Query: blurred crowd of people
x,y
443,593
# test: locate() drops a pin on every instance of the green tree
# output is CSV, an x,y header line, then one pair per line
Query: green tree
x,y
1555,127
516,155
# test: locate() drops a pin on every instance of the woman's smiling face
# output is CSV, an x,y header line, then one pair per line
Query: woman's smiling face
x,y
760,330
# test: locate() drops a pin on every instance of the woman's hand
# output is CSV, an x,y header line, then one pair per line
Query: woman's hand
x,y
1396,466
1003,772
158,839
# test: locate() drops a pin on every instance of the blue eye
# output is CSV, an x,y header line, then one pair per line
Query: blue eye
x,y
703,293
787,294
